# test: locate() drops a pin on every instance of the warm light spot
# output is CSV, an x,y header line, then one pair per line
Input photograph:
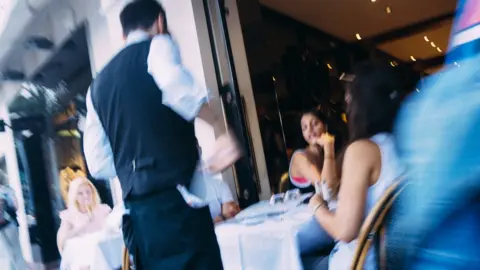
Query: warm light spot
x,y
439,50
426,38
358,36
373,1
344,117
413,58
388,9
329,66
393,63
273,79
433,44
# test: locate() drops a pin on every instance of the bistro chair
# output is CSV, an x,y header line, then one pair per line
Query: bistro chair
x,y
373,229
284,183
126,262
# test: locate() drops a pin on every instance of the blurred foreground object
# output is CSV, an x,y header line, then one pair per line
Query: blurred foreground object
x,y
436,223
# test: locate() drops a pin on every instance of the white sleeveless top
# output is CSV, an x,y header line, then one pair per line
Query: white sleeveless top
x,y
342,254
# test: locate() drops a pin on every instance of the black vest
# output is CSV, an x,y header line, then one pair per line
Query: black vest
x,y
153,147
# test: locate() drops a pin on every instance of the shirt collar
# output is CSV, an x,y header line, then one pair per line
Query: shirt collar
x,y
136,36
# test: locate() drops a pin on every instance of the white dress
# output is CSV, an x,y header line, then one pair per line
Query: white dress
x,y
77,219
342,254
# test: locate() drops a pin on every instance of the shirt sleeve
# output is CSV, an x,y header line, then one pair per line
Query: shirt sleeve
x,y
180,92
98,152
225,193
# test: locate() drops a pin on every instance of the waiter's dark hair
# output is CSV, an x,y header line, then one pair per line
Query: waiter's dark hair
x,y
142,14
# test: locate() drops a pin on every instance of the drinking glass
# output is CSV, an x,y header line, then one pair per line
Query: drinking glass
x,y
277,198
292,195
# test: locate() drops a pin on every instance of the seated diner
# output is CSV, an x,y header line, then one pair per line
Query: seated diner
x,y
85,214
370,164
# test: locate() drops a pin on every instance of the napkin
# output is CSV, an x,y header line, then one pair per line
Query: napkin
x,y
191,199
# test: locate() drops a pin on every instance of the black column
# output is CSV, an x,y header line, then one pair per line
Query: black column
x,y
34,153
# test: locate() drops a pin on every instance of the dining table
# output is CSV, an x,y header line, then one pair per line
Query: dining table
x,y
264,236
99,251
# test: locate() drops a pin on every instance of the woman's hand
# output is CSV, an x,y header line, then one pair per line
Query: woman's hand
x,y
316,201
217,220
327,141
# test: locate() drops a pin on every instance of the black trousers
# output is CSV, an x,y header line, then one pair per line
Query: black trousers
x,y
164,233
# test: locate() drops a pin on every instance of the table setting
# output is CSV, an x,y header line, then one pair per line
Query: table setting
x,y
264,235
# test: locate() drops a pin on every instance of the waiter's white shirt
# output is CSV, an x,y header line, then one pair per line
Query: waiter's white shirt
x,y
179,92
212,190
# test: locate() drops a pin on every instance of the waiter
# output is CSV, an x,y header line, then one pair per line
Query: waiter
x,y
139,126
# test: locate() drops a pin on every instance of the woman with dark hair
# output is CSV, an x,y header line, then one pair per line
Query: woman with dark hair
x,y
306,164
311,169
370,163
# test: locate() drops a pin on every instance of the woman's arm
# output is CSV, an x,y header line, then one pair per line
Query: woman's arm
x,y
65,232
361,165
329,170
304,168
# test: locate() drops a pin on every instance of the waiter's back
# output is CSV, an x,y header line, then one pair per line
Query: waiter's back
x,y
154,148
139,127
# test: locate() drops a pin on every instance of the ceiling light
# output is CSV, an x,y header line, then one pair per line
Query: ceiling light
x,y
426,38
358,36
329,66
439,50
433,44
388,9
373,1
413,58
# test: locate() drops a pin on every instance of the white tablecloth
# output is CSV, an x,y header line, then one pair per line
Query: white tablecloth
x,y
271,245
99,251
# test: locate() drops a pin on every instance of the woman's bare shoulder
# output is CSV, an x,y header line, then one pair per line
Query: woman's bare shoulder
x,y
364,151
299,156
299,160
363,145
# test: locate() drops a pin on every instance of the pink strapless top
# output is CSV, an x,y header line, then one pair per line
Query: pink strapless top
x,y
300,181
